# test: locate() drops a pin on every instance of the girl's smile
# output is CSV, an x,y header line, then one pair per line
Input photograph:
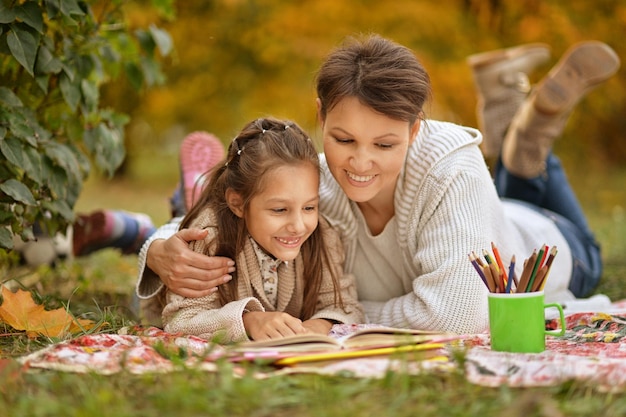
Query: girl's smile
x,y
285,213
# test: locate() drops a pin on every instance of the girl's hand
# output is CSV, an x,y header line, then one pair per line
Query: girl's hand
x,y
263,325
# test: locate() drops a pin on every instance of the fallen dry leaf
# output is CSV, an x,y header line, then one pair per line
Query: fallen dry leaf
x,y
18,310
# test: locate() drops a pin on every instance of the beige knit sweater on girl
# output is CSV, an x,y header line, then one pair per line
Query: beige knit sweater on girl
x,y
207,318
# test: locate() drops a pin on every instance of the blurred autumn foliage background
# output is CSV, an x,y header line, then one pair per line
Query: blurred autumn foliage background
x,y
236,60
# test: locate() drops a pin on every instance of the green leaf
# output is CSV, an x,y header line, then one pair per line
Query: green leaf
x,y
61,155
23,45
18,191
43,81
91,94
146,41
70,8
57,180
61,207
12,150
162,39
46,62
70,91
68,71
134,74
22,124
52,8
152,72
7,15
108,146
6,238
32,158
30,13
9,98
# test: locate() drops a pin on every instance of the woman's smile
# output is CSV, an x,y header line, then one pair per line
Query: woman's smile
x,y
360,179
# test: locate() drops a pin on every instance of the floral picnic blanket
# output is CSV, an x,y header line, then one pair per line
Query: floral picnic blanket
x,y
140,350
593,351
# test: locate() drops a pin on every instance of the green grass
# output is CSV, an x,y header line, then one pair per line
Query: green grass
x,y
195,393
99,287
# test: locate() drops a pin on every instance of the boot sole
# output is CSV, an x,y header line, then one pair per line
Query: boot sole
x,y
540,51
583,67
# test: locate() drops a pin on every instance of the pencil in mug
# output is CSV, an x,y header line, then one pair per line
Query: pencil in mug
x,y
488,257
536,267
478,260
497,277
478,268
546,268
511,277
496,254
491,280
495,271
528,268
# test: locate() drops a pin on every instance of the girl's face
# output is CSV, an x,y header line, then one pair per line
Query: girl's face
x,y
365,150
285,213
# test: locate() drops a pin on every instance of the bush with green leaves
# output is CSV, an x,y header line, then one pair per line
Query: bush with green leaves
x,y
55,55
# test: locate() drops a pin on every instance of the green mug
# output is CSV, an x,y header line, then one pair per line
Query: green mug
x,y
517,322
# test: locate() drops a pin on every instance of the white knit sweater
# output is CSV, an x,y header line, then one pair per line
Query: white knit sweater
x,y
446,206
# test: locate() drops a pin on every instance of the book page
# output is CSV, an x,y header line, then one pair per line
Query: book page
x,y
388,336
299,343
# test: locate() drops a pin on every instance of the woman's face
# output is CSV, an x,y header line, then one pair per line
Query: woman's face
x,y
365,150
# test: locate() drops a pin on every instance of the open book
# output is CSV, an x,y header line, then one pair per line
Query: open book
x,y
366,338
373,341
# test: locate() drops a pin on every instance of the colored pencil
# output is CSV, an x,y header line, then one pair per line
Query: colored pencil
x,y
511,274
491,283
496,254
488,258
496,277
536,267
478,269
548,265
480,261
541,275
528,267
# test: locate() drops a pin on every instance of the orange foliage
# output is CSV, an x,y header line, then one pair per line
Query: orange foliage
x,y
19,311
238,60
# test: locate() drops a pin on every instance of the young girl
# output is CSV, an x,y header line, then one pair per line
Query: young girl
x,y
261,209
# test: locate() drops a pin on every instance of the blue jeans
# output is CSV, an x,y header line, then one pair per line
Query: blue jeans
x,y
552,195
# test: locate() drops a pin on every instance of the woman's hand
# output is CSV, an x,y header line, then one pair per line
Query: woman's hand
x,y
184,271
263,325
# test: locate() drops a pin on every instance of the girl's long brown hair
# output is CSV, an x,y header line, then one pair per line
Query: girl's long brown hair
x,y
260,147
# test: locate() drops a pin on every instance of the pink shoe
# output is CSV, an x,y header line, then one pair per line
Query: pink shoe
x,y
199,153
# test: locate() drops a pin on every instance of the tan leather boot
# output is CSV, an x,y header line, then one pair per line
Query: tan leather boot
x,y
501,80
542,117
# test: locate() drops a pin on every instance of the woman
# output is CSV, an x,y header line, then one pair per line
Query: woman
x,y
412,197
